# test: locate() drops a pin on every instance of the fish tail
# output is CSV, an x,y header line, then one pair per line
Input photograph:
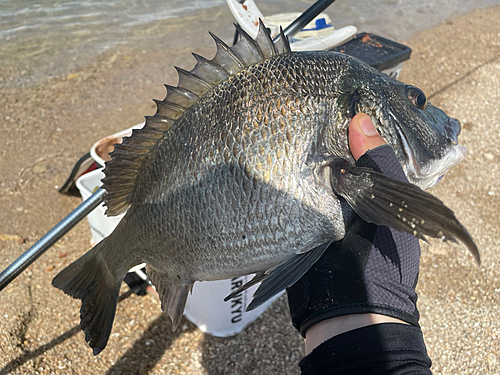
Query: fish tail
x,y
92,280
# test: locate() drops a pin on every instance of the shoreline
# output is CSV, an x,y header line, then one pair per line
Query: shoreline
x,y
57,50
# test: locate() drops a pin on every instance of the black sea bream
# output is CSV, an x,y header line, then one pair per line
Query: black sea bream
x,y
245,168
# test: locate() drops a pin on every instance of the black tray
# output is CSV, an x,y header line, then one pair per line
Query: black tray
x,y
376,51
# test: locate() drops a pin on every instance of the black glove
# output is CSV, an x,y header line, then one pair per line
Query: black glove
x,y
374,269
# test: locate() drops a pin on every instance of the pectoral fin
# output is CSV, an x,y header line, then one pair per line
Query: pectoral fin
x,y
403,206
281,277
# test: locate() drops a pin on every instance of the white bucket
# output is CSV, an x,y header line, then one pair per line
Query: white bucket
x,y
100,225
205,306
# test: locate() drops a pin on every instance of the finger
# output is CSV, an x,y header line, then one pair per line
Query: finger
x,y
363,136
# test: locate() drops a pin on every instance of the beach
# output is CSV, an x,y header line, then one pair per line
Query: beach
x,y
48,124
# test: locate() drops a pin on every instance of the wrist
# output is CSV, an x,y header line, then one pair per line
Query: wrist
x,y
326,329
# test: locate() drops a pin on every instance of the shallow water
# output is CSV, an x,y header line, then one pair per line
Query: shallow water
x,y
48,38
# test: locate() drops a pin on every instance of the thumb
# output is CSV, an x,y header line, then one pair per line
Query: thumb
x,y
363,136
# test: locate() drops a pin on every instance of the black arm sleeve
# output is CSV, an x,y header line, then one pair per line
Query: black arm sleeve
x,y
380,349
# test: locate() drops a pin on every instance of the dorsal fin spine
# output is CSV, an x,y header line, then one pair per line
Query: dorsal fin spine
x,y
181,91
203,63
255,47
194,77
157,122
168,110
127,158
190,81
137,147
180,96
282,44
222,51
154,130
142,137
265,42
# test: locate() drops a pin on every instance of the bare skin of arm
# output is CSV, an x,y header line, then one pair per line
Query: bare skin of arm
x,y
362,137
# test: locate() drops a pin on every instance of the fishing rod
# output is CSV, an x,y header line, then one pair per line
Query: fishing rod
x,y
305,18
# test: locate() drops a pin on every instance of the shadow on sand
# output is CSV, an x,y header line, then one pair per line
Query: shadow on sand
x,y
31,354
147,351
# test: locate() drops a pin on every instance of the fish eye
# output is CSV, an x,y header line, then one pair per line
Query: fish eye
x,y
417,97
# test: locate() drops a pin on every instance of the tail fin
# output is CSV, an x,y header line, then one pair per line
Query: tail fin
x,y
90,279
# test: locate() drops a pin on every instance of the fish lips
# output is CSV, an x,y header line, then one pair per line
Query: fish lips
x,y
427,162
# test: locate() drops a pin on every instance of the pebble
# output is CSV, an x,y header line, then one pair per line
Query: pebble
x,y
11,237
489,156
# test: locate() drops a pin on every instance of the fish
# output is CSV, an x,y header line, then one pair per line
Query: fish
x,y
245,169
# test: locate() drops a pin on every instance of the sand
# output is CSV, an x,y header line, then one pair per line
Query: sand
x,y
46,127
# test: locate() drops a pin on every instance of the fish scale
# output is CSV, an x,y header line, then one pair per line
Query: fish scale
x,y
245,168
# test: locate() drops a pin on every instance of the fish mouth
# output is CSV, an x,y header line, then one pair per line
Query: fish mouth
x,y
427,175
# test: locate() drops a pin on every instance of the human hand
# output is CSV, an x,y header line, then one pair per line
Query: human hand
x,y
370,276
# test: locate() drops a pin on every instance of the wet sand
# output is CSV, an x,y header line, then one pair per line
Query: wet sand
x,y
47,127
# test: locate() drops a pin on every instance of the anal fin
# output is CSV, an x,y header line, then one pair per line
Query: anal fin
x,y
173,297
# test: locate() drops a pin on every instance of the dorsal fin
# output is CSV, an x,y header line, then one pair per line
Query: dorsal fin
x,y
246,48
226,58
282,45
264,41
127,157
